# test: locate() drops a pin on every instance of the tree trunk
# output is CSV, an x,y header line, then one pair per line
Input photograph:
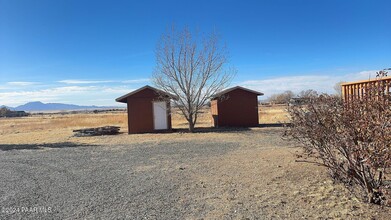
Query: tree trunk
x,y
191,123
191,127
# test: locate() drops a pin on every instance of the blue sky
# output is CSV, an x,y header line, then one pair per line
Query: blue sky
x,y
90,52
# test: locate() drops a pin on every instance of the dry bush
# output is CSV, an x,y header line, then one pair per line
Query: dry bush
x,y
352,140
4,111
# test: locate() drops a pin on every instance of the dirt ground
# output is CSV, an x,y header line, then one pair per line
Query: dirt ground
x,y
234,174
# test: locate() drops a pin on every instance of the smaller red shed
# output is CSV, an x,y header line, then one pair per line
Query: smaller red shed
x,y
235,107
148,110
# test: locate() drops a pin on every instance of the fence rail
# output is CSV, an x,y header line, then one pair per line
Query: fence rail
x,y
366,89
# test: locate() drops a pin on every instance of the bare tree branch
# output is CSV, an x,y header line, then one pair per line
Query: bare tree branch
x,y
190,70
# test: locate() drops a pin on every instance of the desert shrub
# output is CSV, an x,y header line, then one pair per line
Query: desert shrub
x,y
352,140
4,111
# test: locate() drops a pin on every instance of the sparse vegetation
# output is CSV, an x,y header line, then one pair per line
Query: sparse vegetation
x,y
309,93
286,97
76,120
352,140
5,112
253,172
260,174
282,98
47,122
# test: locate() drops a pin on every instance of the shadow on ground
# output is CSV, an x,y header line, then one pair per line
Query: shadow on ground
x,y
7,147
230,129
212,129
274,125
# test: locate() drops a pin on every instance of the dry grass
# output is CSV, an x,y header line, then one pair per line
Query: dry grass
x,y
57,121
273,114
267,114
204,119
54,128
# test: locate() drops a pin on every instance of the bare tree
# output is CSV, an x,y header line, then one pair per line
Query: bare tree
x,y
194,70
338,88
282,98
309,93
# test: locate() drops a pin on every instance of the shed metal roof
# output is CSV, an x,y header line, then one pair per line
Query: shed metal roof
x,y
124,97
235,88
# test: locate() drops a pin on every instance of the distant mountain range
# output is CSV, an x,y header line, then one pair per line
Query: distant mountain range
x,y
39,106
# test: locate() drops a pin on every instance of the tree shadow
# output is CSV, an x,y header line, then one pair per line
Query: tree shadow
x,y
212,129
230,129
7,147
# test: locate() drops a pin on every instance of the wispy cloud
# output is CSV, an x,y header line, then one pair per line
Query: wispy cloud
x,y
82,95
321,83
134,81
74,81
52,94
74,91
22,83
93,92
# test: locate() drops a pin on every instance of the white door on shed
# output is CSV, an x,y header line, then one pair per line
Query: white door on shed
x,y
160,115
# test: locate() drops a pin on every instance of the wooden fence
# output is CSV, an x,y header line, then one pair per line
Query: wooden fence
x,y
366,89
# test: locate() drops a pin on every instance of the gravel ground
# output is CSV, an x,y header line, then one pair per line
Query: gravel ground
x,y
71,181
248,174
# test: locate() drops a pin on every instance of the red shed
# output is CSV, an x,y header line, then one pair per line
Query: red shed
x,y
148,110
235,107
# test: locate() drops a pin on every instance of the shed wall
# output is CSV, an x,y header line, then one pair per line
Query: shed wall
x,y
140,112
238,108
214,112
